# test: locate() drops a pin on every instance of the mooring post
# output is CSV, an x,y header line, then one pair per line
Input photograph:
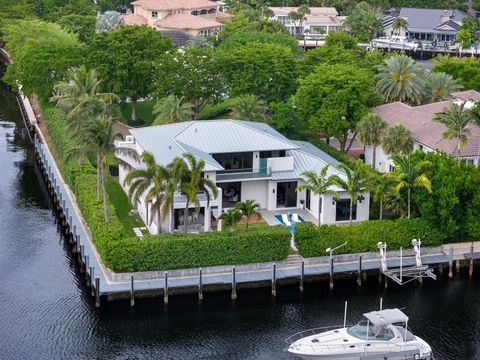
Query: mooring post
x,y
66,214
470,269
457,265
92,277
73,238
386,282
200,285
132,292
359,275
302,274
97,293
274,279
234,284
81,258
77,243
450,264
165,289
331,273
87,266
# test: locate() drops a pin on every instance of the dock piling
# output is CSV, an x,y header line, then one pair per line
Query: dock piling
x,y
274,279
359,275
234,284
81,258
97,293
92,274
200,285
302,274
132,291
470,268
165,289
450,264
87,267
331,273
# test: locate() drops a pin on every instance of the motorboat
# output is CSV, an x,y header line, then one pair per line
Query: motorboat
x,y
380,335
394,42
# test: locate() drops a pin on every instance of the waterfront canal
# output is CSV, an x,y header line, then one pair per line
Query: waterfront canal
x,y
46,312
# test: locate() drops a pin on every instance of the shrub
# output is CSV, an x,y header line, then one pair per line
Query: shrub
x,y
313,241
176,251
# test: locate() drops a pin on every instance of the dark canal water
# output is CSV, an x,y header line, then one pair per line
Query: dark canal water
x,y
46,313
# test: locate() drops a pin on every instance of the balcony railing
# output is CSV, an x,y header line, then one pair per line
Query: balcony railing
x,y
262,172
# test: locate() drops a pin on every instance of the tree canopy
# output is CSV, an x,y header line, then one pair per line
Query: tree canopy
x,y
466,70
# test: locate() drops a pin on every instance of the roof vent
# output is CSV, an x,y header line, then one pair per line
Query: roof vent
x,y
170,147
196,130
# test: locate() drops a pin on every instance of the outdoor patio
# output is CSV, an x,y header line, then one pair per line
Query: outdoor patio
x,y
269,215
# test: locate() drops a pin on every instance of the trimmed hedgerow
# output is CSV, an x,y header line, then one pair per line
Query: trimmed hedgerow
x,y
363,237
178,251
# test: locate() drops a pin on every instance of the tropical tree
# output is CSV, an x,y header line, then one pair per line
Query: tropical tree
x,y
369,131
400,78
172,109
456,119
296,17
440,86
399,23
108,21
248,208
192,182
409,174
381,186
319,184
96,139
397,140
355,183
80,96
230,218
248,107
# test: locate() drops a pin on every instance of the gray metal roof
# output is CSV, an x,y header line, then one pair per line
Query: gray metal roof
x,y
386,317
202,138
427,20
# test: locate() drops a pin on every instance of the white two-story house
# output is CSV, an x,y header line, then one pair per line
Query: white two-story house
x,y
246,160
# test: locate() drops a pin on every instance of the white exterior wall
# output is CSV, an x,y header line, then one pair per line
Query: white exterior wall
x,y
255,190
329,208
256,161
280,163
382,160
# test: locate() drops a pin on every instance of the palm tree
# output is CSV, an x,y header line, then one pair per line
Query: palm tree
x,y
381,186
400,78
440,86
355,184
456,119
318,184
231,218
295,16
81,98
172,109
248,208
397,140
192,182
303,10
409,174
398,24
369,131
248,107
97,139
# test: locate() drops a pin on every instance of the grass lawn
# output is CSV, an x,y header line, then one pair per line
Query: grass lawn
x,y
144,112
122,206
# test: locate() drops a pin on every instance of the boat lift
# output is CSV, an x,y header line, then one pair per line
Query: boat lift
x,y
404,275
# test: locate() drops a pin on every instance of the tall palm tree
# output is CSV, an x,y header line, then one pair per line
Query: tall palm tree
x,y
318,184
409,174
172,109
81,98
230,218
400,78
97,139
440,86
248,107
303,10
381,186
248,208
295,17
355,184
397,139
192,182
369,131
456,119
398,24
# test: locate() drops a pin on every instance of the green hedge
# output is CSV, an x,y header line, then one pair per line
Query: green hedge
x,y
178,251
363,237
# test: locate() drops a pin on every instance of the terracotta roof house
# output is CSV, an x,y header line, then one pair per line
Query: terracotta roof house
x,y
427,134
320,21
193,17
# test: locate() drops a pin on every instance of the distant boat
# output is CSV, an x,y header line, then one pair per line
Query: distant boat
x,y
381,335
395,42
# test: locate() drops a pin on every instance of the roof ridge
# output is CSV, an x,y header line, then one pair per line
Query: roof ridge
x,y
244,123
181,144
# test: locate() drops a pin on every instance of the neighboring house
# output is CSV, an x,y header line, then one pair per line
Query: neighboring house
x,y
427,24
427,134
320,21
246,160
192,17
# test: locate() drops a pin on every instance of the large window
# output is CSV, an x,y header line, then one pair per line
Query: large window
x,y
343,210
235,162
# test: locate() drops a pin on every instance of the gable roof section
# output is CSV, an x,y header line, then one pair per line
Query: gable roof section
x,y
165,5
134,19
426,131
429,19
186,21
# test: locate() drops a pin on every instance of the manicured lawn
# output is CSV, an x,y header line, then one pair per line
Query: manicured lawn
x,y
122,206
144,112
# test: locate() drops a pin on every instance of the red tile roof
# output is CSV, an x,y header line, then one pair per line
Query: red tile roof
x,y
184,21
134,19
164,5
426,131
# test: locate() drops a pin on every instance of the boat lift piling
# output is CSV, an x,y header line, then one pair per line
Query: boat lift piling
x,y
200,285
359,274
302,274
330,251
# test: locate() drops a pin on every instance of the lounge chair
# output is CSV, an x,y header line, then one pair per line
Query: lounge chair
x,y
295,218
285,220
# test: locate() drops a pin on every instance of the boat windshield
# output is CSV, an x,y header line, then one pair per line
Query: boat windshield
x,y
381,333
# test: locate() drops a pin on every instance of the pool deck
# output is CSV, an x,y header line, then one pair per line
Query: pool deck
x,y
269,215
